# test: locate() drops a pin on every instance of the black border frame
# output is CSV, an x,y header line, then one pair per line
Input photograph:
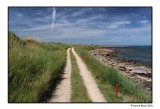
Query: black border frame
x,y
86,7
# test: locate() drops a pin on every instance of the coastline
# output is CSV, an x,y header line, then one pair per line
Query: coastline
x,y
136,72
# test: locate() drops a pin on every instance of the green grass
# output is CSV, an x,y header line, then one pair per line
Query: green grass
x,y
107,77
79,91
34,68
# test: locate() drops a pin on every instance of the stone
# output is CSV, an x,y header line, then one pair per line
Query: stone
x,y
104,52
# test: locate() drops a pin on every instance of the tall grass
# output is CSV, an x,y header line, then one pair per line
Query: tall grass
x,y
33,68
107,77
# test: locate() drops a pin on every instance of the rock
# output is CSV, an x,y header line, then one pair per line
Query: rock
x,y
121,64
113,64
138,73
129,61
149,75
125,60
104,52
147,84
122,68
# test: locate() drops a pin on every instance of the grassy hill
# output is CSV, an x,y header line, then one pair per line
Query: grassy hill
x,y
34,68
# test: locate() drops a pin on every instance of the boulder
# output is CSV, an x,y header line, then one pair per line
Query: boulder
x,y
122,68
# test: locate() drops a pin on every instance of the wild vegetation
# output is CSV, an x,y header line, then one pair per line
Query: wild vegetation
x,y
107,77
34,68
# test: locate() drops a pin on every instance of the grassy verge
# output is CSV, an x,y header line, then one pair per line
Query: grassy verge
x,y
34,68
79,91
107,77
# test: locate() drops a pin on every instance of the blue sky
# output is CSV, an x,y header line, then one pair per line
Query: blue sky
x,y
105,26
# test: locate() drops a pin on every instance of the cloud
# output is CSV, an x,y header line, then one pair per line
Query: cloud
x,y
81,25
143,21
53,18
38,28
20,15
116,25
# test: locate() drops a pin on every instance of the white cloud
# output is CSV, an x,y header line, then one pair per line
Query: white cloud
x,y
20,15
78,13
53,18
97,28
38,28
143,21
38,13
116,25
43,19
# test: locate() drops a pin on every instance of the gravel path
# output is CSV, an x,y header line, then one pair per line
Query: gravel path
x,y
92,89
63,90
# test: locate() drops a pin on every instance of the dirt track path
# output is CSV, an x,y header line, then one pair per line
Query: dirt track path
x,y
63,90
92,89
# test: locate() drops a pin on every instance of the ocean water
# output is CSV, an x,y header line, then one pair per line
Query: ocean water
x,y
140,54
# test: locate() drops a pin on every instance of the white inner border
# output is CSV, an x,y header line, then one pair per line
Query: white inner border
x,y
4,51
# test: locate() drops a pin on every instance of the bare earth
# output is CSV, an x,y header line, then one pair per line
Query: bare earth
x,y
63,90
92,89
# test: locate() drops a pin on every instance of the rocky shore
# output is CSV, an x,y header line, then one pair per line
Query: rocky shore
x,y
140,74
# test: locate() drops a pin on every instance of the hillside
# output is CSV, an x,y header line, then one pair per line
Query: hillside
x,y
34,68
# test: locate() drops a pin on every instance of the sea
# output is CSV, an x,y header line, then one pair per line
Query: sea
x,y
139,54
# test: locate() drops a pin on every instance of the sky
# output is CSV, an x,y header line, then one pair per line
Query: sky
x,y
83,25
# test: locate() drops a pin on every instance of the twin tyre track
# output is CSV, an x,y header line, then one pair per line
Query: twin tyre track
x,y
63,90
